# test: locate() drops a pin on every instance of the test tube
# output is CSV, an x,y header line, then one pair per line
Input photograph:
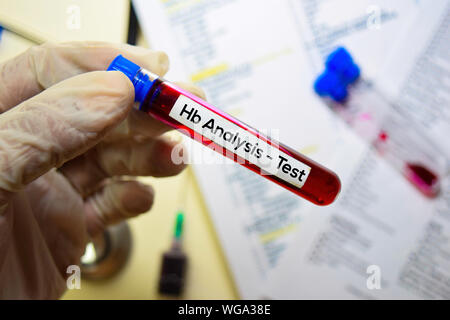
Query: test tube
x,y
381,123
228,136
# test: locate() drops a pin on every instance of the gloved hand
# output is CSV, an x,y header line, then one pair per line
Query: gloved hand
x,y
68,134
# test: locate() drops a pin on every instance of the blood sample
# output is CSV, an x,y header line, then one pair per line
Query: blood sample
x,y
229,136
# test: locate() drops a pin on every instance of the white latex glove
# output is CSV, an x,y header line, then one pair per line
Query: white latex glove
x,y
67,136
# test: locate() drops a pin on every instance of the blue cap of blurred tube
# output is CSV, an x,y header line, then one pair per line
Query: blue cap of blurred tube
x,y
340,71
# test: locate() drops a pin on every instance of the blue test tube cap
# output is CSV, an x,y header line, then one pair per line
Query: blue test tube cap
x,y
338,60
329,84
325,82
341,62
127,67
340,71
140,80
338,93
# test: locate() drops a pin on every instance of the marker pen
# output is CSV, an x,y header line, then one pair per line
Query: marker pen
x,y
174,263
229,136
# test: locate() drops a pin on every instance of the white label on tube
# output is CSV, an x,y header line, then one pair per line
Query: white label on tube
x,y
238,141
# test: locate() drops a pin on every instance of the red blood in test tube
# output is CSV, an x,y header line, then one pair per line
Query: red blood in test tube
x,y
383,136
423,179
322,185
286,167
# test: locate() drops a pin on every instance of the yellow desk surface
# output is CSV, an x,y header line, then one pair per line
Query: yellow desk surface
x,y
207,274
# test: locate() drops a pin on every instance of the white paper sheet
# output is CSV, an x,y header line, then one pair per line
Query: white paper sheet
x,y
382,232
250,59
370,30
251,64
